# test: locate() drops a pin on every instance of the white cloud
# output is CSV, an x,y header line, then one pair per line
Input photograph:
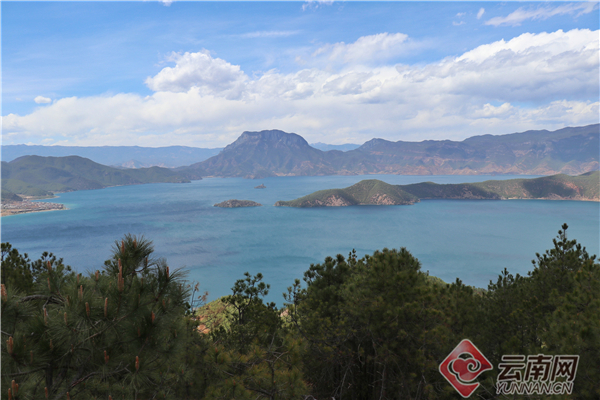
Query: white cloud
x,y
534,81
42,100
382,46
530,67
480,13
543,12
458,23
461,14
201,71
488,110
166,3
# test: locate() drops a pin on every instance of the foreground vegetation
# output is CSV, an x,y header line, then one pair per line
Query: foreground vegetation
x,y
357,328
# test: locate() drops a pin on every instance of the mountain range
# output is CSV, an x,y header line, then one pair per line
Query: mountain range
x,y
134,156
274,153
277,153
262,154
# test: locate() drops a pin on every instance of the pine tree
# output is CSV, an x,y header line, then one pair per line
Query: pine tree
x,y
254,355
375,326
113,332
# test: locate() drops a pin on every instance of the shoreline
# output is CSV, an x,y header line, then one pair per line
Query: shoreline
x,y
27,207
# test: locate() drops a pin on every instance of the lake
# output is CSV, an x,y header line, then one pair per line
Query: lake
x,y
470,239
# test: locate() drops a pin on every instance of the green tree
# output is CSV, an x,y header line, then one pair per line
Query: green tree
x,y
574,328
566,279
553,310
20,273
16,269
254,355
113,332
376,327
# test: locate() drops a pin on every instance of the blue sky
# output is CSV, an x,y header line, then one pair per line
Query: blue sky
x,y
200,73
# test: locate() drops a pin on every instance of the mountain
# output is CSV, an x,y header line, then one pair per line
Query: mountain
x,y
277,153
266,153
40,176
375,192
124,156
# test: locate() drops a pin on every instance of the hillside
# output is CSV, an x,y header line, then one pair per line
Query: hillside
x,y
39,176
375,192
570,150
276,153
367,192
581,187
10,197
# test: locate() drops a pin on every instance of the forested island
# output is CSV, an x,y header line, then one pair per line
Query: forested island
x,y
375,327
237,203
376,192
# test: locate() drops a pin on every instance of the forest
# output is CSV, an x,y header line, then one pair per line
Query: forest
x,y
352,328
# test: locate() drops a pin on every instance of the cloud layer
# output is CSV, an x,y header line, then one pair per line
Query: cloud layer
x,y
534,81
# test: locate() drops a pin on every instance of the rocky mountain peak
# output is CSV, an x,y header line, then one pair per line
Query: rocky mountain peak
x,y
273,137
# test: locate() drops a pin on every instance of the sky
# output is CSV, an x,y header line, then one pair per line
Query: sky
x,y
162,73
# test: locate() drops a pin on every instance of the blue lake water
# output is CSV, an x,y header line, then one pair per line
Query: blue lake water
x,y
470,239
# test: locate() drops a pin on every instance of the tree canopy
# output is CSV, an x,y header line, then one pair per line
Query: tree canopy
x,y
375,327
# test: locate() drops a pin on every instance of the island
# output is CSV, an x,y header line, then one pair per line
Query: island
x,y
237,203
367,192
261,186
583,187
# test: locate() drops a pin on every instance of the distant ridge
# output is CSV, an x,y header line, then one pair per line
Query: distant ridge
x,y
122,156
276,153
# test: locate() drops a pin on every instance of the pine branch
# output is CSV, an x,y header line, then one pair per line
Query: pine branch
x,y
49,299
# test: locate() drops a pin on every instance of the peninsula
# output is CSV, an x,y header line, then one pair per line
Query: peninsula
x,y
26,206
33,177
375,192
